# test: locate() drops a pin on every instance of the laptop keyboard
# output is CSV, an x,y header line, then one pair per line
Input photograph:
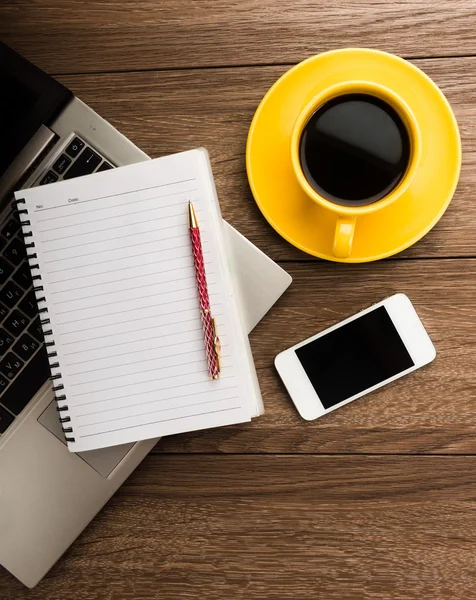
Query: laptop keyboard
x,y
78,159
24,364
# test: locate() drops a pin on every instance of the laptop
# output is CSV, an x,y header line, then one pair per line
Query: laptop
x,y
47,494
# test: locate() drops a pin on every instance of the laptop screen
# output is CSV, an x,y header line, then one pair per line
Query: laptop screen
x,y
28,99
16,99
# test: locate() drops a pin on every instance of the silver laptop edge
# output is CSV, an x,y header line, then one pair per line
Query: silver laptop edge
x,y
25,160
47,494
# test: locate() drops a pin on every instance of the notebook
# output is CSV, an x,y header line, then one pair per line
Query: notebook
x,y
111,259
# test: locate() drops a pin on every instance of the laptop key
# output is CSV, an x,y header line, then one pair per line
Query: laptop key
x,y
6,270
62,164
15,252
6,420
75,147
3,383
23,388
3,242
23,276
10,294
6,340
104,167
11,228
50,177
85,164
15,323
35,330
3,311
26,347
10,365
28,305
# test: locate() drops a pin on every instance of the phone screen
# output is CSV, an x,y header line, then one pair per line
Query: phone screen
x,y
354,357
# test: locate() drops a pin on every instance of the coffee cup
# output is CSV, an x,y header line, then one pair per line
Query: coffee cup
x,y
355,149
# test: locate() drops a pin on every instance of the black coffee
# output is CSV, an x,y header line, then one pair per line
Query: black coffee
x,y
354,149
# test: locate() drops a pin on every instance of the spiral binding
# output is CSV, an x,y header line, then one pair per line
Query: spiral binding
x,y
61,400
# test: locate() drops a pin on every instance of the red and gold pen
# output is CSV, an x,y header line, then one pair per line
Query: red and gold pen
x,y
212,341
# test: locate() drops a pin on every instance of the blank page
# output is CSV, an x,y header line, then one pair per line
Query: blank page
x,y
114,255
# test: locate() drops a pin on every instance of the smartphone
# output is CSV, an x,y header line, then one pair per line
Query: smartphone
x,y
355,357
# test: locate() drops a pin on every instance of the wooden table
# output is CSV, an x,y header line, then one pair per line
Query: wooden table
x,y
374,501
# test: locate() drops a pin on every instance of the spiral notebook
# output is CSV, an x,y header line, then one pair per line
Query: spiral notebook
x,y
112,263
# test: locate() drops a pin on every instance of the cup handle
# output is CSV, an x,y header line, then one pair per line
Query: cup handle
x,y
343,237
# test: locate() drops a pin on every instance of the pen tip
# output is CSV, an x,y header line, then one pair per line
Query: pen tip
x,y
192,218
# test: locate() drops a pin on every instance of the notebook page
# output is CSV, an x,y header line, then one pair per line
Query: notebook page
x,y
117,272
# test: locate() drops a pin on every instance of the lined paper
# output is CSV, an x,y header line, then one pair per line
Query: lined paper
x,y
117,270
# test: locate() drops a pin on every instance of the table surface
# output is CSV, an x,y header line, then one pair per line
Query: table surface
x,y
377,500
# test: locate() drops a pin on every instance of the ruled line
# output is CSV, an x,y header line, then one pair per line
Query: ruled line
x,y
153,187
85,287
133,308
101,337
161,218
101,262
161,421
160,389
90,210
111,250
118,387
153,412
135,202
97,412
64,312
222,336
156,358
119,237
146,370
202,360
174,312
156,262
81,362
122,290
115,345
95,360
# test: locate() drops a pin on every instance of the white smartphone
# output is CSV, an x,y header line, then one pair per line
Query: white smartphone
x,y
355,357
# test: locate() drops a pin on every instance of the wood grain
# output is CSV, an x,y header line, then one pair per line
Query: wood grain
x,y
430,411
172,111
64,36
277,527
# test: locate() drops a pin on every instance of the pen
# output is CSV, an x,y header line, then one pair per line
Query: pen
x,y
210,335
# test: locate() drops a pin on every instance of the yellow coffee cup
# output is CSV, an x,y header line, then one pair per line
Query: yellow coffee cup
x,y
347,215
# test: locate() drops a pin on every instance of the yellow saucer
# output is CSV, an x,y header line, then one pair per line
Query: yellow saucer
x,y
307,225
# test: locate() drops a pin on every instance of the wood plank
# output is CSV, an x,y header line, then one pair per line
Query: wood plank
x,y
172,111
64,36
270,527
431,411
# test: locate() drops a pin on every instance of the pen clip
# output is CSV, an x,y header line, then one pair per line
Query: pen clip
x,y
216,344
